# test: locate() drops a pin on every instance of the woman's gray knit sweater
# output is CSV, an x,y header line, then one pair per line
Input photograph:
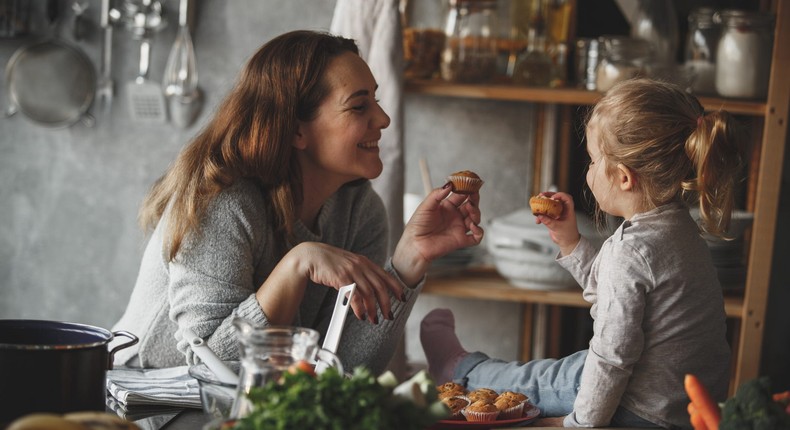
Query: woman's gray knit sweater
x,y
217,272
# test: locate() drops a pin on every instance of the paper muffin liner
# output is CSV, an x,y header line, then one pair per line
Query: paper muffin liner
x,y
465,184
474,416
459,415
512,412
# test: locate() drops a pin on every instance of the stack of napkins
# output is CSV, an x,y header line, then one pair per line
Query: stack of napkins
x,y
168,387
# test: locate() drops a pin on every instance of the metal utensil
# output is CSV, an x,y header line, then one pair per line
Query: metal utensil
x,y
180,81
146,101
335,330
51,82
199,347
104,90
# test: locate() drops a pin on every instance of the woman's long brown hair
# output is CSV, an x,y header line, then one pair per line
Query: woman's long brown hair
x,y
250,136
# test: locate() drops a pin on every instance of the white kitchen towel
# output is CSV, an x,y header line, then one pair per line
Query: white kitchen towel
x,y
170,386
375,26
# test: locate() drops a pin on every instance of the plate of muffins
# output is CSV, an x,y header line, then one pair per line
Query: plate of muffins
x,y
484,408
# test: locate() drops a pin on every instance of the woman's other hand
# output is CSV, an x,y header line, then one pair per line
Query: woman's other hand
x,y
282,292
564,231
442,223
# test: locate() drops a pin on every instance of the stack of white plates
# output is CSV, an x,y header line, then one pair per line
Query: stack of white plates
x,y
524,253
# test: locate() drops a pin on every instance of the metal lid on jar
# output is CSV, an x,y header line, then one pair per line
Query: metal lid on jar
x,y
744,18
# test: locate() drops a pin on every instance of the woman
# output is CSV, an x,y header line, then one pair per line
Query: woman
x,y
269,211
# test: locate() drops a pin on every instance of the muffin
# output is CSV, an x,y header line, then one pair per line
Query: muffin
x,y
509,407
513,395
450,393
465,182
456,405
542,205
450,386
481,411
486,394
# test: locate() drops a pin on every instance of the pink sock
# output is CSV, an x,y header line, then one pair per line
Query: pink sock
x,y
442,347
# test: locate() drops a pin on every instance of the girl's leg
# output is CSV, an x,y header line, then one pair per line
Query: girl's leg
x,y
551,384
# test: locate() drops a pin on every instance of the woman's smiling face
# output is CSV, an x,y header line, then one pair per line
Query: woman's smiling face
x,y
341,144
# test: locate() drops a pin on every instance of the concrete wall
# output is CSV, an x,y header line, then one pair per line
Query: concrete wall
x,y
69,242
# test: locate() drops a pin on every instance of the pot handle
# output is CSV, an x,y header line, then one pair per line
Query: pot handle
x,y
123,333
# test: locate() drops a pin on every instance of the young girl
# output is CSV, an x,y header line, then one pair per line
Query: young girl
x,y
656,300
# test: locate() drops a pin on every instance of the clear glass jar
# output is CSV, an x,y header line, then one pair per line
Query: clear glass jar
x,y
470,49
534,67
423,37
621,58
743,57
700,55
656,21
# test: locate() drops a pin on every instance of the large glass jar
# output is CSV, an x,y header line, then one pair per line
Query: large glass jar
x,y
700,55
423,37
622,58
470,49
743,57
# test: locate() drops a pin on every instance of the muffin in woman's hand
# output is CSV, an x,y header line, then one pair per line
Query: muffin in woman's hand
x,y
542,205
465,182
481,411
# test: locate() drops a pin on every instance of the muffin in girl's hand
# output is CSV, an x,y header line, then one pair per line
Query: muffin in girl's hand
x,y
481,411
542,205
465,182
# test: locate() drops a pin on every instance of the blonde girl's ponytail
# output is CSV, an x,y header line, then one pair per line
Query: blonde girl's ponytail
x,y
713,149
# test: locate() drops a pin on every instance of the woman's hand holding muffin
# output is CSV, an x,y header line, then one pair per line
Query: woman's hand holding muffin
x,y
443,222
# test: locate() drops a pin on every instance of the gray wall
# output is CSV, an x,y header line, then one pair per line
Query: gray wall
x,y
69,243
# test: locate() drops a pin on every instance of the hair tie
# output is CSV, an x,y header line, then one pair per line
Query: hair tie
x,y
699,120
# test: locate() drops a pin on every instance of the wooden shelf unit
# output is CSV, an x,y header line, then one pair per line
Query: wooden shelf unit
x,y
765,174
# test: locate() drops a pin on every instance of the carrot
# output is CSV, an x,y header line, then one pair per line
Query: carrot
x,y
782,397
696,420
706,407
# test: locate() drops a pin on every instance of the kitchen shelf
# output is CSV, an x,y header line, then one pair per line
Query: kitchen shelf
x,y
763,192
570,96
484,283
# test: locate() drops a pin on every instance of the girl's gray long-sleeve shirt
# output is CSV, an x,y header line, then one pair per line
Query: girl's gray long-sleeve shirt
x,y
217,272
658,314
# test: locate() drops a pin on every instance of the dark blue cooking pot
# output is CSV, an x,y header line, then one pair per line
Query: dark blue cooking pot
x,y
51,366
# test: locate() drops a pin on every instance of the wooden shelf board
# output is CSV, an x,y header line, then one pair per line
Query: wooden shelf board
x,y
571,96
484,283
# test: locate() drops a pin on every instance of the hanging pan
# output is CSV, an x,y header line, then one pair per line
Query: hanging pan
x,y
52,83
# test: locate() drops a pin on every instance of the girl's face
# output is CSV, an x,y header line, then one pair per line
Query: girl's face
x,y
341,144
601,184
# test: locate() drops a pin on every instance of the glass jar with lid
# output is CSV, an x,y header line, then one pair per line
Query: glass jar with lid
x,y
470,49
700,53
743,56
621,58
423,37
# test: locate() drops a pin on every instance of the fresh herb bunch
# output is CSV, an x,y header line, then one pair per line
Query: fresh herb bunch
x,y
332,401
753,407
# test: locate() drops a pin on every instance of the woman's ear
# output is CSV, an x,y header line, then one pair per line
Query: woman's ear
x,y
626,179
299,142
